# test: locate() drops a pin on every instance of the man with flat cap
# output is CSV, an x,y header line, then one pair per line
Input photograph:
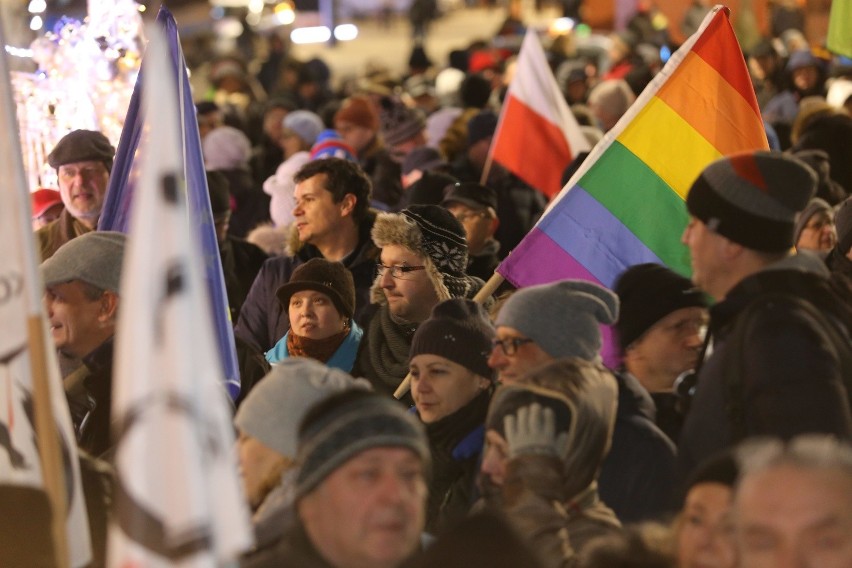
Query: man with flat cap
x,y
82,300
83,160
780,361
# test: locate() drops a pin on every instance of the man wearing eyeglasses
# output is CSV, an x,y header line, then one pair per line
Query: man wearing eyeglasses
x,y
660,331
423,260
83,160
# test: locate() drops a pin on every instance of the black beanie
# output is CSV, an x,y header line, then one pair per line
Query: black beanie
x,y
753,198
648,293
458,330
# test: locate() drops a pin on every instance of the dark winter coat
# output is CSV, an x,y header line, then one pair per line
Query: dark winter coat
x,y
455,443
638,474
89,393
791,379
241,261
263,320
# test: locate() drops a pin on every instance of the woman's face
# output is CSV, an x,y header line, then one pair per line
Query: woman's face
x,y
703,537
440,386
260,468
314,315
819,233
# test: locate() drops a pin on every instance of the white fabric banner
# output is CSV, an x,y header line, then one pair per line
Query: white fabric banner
x,y
178,498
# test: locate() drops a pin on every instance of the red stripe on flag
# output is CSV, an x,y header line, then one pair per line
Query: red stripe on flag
x,y
719,48
531,147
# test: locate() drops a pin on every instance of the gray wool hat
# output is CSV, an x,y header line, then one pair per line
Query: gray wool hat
x,y
563,317
305,124
753,198
94,258
274,408
347,424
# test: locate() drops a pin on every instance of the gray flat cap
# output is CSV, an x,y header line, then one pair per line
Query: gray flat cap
x,y
94,258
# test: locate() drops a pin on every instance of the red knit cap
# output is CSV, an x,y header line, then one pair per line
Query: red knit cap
x,y
358,111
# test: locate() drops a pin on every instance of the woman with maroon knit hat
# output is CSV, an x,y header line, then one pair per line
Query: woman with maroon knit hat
x,y
320,300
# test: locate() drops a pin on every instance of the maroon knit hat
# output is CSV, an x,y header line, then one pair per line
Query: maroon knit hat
x,y
359,111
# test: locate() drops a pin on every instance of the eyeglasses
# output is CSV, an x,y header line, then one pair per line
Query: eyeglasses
x,y
462,217
510,345
397,271
87,172
819,224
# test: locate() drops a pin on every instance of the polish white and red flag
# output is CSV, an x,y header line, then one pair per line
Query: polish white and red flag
x,y
537,136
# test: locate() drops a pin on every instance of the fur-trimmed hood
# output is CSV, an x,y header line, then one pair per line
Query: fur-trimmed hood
x,y
434,234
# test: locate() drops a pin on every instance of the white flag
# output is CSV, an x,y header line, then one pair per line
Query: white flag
x,y
20,303
178,498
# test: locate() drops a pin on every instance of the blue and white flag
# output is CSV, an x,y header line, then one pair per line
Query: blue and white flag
x,y
178,499
125,177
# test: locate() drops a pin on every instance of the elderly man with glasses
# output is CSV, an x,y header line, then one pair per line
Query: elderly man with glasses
x,y
422,262
83,160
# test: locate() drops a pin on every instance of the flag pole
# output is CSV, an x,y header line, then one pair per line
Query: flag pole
x,y
483,294
487,169
48,440
46,428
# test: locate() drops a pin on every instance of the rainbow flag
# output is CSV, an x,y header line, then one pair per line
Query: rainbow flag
x,y
625,205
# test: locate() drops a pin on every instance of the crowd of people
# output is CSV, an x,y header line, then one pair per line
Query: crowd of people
x,y
390,416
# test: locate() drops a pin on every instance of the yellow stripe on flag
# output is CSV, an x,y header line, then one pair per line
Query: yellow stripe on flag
x,y
668,145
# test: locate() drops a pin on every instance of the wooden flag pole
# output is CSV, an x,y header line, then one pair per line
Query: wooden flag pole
x,y
48,440
483,294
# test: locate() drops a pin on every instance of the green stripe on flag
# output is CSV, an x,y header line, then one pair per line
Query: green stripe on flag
x,y
840,28
647,206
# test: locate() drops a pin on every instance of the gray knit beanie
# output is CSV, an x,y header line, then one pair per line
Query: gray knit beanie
x,y
347,424
753,198
94,258
305,124
398,122
274,408
563,318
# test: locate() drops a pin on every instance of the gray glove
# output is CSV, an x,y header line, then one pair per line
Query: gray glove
x,y
532,430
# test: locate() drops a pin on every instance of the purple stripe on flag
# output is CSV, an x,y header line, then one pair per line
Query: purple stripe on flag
x,y
538,259
598,240
552,263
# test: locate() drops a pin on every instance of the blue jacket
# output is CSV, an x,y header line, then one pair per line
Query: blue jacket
x,y
343,358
